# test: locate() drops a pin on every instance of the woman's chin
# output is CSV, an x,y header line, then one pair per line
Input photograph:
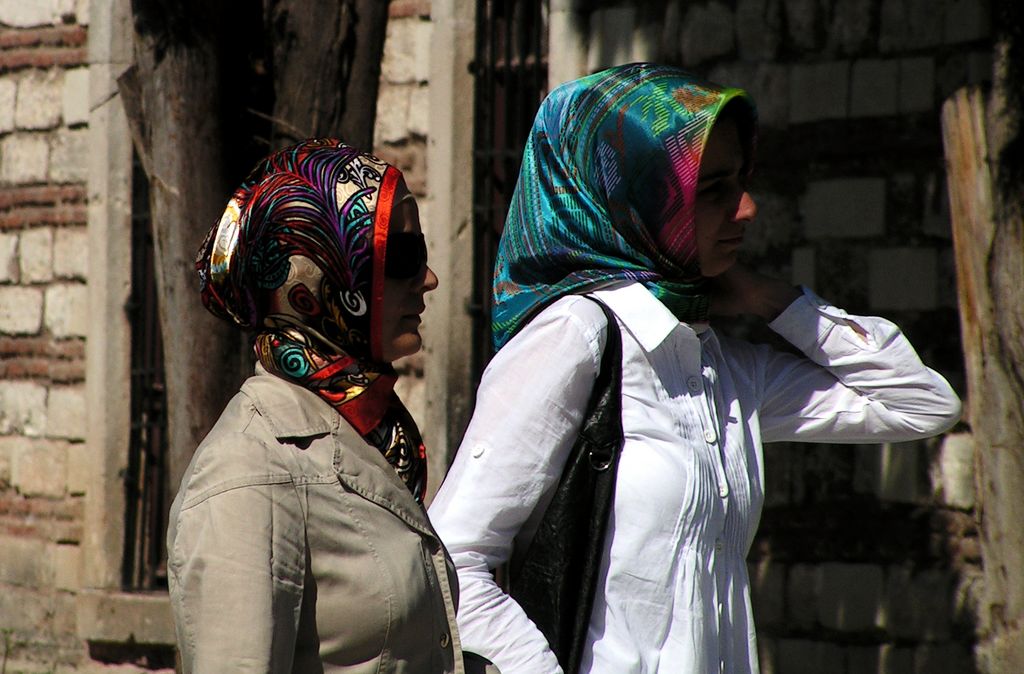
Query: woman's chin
x,y
718,267
403,345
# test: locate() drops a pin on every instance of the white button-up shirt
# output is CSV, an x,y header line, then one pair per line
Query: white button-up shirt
x,y
673,591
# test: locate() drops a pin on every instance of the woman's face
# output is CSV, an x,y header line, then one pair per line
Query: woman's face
x,y
403,298
723,207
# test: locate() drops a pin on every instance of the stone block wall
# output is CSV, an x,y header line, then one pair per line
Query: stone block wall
x,y
44,268
867,558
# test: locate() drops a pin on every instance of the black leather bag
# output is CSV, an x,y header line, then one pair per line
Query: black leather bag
x,y
555,581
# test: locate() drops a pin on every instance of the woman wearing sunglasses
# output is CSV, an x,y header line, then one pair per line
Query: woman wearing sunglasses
x,y
298,540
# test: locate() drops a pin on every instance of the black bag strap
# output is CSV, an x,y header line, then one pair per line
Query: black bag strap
x,y
556,581
604,409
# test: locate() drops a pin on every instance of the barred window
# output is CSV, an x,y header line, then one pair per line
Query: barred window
x,y
511,71
146,488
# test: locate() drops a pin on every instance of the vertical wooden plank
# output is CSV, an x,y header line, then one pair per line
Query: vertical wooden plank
x,y
326,65
963,123
990,266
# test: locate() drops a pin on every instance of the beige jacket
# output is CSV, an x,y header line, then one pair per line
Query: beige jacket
x,y
294,547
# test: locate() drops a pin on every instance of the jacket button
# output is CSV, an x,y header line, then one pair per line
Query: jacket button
x,y
444,640
694,384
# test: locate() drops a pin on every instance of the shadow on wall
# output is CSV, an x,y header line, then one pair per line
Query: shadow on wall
x,y
867,560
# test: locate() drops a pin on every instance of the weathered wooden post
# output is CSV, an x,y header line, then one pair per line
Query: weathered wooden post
x,y
988,237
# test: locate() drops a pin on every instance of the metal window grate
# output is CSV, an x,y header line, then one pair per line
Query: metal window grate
x,y
511,74
145,554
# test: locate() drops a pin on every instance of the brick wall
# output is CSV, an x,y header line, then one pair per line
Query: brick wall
x,y
43,305
400,133
867,557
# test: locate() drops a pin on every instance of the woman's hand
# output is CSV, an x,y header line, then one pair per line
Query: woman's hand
x,y
740,290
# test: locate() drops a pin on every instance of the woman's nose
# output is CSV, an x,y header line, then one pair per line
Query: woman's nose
x,y
746,210
430,281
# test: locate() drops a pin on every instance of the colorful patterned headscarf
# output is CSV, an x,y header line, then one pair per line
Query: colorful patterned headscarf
x,y
606,192
298,256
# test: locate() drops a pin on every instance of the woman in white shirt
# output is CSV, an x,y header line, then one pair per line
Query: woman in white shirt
x,y
633,191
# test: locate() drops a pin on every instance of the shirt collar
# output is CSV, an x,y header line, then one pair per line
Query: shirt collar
x,y
647,319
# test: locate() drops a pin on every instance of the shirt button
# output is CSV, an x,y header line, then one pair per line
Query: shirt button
x,y
723,490
709,436
478,451
693,383
444,640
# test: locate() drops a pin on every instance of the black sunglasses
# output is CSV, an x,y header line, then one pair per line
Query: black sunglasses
x,y
405,255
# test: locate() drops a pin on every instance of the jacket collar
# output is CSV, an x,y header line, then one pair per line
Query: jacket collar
x,y
290,411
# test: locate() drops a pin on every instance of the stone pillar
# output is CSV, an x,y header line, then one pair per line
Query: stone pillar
x,y
448,355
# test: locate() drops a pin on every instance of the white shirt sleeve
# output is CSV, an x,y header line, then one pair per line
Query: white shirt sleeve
x,y
861,381
529,408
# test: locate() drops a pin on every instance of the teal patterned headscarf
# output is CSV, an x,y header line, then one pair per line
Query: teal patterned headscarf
x,y
606,192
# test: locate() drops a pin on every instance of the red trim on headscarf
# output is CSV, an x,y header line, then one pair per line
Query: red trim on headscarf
x,y
367,409
332,368
381,224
